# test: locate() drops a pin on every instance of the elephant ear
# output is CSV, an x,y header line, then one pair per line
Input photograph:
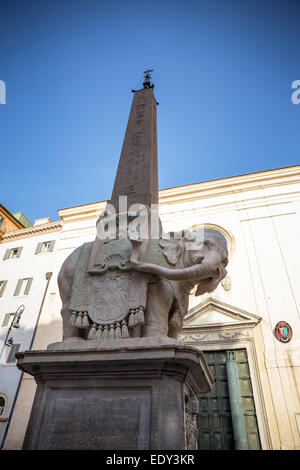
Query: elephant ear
x,y
172,248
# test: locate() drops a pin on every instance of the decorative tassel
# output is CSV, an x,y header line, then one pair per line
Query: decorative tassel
x,y
99,333
137,318
118,331
104,333
92,332
135,321
124,331
85,321
72,319
111,333
131,320
78,320
141,317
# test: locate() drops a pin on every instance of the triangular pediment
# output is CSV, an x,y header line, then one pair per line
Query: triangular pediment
x,y
212,314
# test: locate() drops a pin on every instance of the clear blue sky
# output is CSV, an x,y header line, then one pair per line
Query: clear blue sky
x,y
223,74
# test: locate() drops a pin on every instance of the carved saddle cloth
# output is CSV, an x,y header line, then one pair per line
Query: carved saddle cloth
x,y
112,300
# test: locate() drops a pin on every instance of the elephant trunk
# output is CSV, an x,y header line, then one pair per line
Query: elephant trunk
x,y
199,271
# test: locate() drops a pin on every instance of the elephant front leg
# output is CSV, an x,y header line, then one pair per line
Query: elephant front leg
x,y
175,324
159,302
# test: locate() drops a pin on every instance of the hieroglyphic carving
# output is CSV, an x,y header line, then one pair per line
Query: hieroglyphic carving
x,y
135,154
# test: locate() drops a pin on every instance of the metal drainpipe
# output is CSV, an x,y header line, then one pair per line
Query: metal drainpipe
x,y
48,278
236,405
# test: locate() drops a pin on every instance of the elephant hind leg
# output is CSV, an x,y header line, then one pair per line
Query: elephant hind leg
x,y
65,280
175,324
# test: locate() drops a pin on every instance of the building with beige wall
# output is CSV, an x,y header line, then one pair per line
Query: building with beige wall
x,y
27,259
10,222
259,214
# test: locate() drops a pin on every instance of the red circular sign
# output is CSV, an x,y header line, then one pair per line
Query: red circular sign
x,y
283,332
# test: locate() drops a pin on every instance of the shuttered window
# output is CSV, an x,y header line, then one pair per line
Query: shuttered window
x,y
2,287
44,247
11,358
7,319
23,286
11,253
2,405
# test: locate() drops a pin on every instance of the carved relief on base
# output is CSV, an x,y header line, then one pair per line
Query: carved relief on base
x,y
191,412
212,336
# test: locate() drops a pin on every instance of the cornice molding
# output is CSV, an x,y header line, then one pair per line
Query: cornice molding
x,y
230,185
240,318
82,212
178,195
33,231
204,189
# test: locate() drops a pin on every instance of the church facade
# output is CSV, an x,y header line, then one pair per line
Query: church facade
x,y
252,318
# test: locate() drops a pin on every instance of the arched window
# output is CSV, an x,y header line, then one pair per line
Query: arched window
x,y
223,233
2,405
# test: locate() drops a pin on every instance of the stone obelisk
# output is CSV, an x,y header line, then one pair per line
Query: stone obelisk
x,y
137,174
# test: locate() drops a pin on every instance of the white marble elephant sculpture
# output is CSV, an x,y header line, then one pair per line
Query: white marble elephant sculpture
x,y
172,267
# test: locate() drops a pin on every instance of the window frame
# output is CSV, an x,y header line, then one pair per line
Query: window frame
x,y
2,408
9,251
3,285
8,317
8,352
26,290
4,415
40,247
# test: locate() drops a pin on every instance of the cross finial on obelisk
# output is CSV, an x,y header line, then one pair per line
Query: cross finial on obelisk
x,y
147,79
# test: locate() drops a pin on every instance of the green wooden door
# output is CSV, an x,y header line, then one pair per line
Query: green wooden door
x,y
214,419
247,399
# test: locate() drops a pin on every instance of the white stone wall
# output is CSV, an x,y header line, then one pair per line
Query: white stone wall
x,y
28,265
260,215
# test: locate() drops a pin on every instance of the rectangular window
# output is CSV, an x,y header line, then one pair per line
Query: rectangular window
x,y
2,405
12,253
7,319
2,287
44,247
11,358
23,286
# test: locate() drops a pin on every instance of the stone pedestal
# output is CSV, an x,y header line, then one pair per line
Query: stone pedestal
x,y
118,397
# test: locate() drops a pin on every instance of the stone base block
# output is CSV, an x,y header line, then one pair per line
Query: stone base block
x,y
116,398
